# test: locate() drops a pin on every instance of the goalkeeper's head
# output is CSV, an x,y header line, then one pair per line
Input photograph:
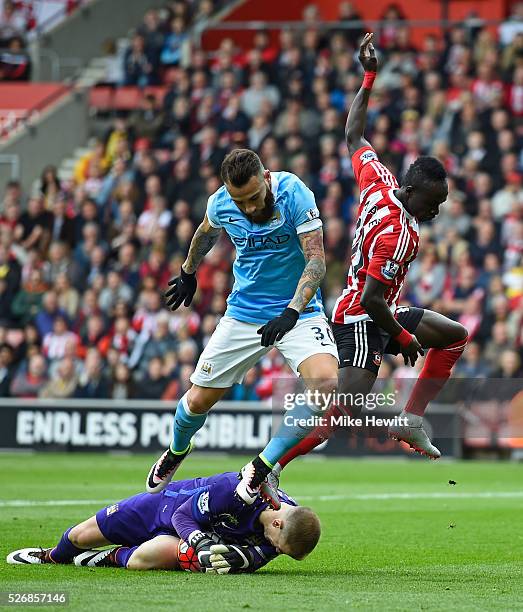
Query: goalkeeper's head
x,y
292,530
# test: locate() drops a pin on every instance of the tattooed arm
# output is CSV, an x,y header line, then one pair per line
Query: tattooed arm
x,y
314,271
182,288
202,242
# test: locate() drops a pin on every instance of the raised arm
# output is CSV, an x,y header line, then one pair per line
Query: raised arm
x,y
357,117
183,287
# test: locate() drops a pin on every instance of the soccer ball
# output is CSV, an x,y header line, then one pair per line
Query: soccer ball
x,y
187,557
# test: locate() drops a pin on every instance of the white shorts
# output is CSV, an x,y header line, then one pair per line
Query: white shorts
x,y
235,347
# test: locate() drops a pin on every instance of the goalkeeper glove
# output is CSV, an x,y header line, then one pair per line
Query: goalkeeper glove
x,y
275,329
231,559
182,289
202,543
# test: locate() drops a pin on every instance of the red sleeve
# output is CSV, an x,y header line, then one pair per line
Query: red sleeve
x,y
368,169
388,257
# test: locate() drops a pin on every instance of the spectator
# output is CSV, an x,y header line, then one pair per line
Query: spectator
x,y
10,272
472,365
55,341
115,291
93,334
138,64
122,385
127,266
259,91
15,61
92,383
28,301
148,120
509,365
123,338
44,320
172,51
58,262
68,296
28,383
36,223
498,344
154,382
6,369
31,342
152,33
156,217
63,227
63,384
160,342
113,64
513,25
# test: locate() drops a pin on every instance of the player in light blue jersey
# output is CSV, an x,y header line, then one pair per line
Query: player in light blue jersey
x,y
274,223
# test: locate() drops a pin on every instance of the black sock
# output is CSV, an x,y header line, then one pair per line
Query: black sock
x,y
261,469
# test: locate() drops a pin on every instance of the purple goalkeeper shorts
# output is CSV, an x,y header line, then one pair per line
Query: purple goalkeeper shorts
x,y
132,521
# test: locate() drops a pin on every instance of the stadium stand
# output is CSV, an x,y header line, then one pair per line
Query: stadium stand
x,y
83,262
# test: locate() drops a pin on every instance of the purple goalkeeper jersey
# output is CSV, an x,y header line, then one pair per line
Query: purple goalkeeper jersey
x,y
200,504
211,504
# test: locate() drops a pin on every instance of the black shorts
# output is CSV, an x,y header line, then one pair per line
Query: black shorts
x,y
363,344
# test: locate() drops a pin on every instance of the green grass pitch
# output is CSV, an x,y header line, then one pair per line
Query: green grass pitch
x,y
396,536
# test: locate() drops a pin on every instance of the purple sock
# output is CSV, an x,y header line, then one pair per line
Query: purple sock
x,y
123,554
65,549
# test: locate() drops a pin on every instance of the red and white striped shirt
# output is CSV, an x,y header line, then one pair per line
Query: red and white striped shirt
x,y
385,241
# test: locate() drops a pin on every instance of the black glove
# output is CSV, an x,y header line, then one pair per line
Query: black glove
x,y
275,329
202,543
231,559
182,289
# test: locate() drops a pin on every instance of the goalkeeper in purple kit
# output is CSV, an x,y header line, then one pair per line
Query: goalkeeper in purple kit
x,y
227,535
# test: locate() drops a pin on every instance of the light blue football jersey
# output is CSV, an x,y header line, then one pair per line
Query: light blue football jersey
x,y
269,258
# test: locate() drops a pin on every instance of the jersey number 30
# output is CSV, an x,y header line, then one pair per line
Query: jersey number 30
x,y
319,335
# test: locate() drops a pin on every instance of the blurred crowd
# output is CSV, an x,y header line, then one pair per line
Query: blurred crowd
x,y
83,266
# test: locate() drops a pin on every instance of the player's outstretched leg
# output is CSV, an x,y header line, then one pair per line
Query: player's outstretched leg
x,y
190,416
320,374
446,340
256,474
73,542
316,437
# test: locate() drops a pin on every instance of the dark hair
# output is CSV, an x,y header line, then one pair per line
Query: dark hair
x,y
425,170
239,166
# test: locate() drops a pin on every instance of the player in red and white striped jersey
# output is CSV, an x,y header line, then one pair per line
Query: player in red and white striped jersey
x,y
385,241
366,319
